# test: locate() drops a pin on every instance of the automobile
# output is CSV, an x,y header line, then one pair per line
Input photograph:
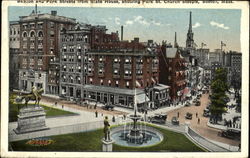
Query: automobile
x,y
108,107
187,103
175,121
195,100
159,118
198,103
206,113
198,97
189,115
232,133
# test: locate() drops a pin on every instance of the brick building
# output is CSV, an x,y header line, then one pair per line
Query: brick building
x,y
39,50
118,70
172,71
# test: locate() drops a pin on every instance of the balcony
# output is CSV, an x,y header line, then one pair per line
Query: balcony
x,y
127,66
40,38
40,46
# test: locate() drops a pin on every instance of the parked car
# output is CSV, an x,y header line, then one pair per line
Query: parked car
x,y
187,103
206,113
159,118
175,121
195,100
231,133
108,107
198,103
189,116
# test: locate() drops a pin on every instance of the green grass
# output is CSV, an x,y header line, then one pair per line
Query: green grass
x,y
50,112
91,141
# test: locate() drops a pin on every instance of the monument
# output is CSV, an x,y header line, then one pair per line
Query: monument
x,y
107,142
31,118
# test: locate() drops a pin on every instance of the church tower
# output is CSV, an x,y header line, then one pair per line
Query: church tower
x,y
190,34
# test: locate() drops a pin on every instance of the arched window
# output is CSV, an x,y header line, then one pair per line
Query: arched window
x,y
32,33
40,34
25,34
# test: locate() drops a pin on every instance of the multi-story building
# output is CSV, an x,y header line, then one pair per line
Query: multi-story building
x,y
75,43
202,57
214,67
14,46
120,71
173,71
233,61
39,49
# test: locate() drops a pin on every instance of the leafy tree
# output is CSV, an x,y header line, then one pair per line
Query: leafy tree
x,y
218,98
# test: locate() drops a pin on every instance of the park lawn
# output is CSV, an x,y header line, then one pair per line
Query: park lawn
x,y
91,141
50,112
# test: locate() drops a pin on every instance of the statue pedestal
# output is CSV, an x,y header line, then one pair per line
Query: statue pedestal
x,y
107,146
31,119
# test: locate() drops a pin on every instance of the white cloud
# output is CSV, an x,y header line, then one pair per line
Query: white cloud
x,y
197,24
213,23
117,21
129,22
138,18
156,23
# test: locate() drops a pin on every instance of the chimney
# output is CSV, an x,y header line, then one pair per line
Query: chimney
x,y
121,33
53,12
36,9
136,39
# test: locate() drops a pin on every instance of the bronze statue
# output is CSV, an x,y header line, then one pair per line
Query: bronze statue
x,y
106,129
35,95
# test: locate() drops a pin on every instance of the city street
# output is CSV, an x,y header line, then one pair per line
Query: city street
x,y
201,128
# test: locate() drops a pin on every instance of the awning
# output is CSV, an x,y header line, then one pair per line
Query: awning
x,y
138,84
141,98
153,79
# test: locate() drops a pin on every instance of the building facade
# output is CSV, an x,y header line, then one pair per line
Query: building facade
x,y
14,46
39,48
75,43
173,72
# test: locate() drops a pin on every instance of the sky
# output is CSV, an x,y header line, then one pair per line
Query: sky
x,y
210,26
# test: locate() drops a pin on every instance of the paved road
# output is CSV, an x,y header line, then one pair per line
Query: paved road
x,y
202,128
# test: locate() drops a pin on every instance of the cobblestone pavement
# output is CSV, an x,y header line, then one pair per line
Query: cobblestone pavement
x,y
201,128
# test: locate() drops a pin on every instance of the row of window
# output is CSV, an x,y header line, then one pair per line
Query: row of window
x,y
77,38
127,83
32,33
14,32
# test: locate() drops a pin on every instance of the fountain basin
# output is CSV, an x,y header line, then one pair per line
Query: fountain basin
x,y
143,138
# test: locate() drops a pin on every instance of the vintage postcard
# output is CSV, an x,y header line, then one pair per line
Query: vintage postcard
x,y
124,78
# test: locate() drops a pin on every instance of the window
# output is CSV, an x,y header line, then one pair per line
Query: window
x,y
52,24
25,34
79,68
101,82
64,68
127,84
116,83
128,60
116,72
101,71
90,80
40,34
32,33
109,82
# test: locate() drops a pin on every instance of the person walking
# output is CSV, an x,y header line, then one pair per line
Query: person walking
x,y
113,119
196,114
62,106
198,120
96,114
178,114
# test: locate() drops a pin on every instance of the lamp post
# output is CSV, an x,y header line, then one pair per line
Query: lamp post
x,y
145,104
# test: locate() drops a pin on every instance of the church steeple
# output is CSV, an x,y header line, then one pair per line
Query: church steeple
x,y
190,40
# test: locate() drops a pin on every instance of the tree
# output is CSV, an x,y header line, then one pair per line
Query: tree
x,y
219,98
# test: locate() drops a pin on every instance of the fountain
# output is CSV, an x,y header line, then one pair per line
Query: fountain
x,y
134,134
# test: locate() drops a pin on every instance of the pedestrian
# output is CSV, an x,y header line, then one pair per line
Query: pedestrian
x,y
95,105
178,114
102,114
96,114
87,106
62,106
124,116
196,114
55,103
198,120
113,119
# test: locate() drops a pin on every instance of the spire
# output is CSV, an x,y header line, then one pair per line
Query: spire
x,y
175,41
190,22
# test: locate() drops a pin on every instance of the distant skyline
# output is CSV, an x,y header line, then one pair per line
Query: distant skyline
x,y
210,26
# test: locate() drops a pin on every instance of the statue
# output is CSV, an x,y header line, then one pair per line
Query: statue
x,y
35,95
106,129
